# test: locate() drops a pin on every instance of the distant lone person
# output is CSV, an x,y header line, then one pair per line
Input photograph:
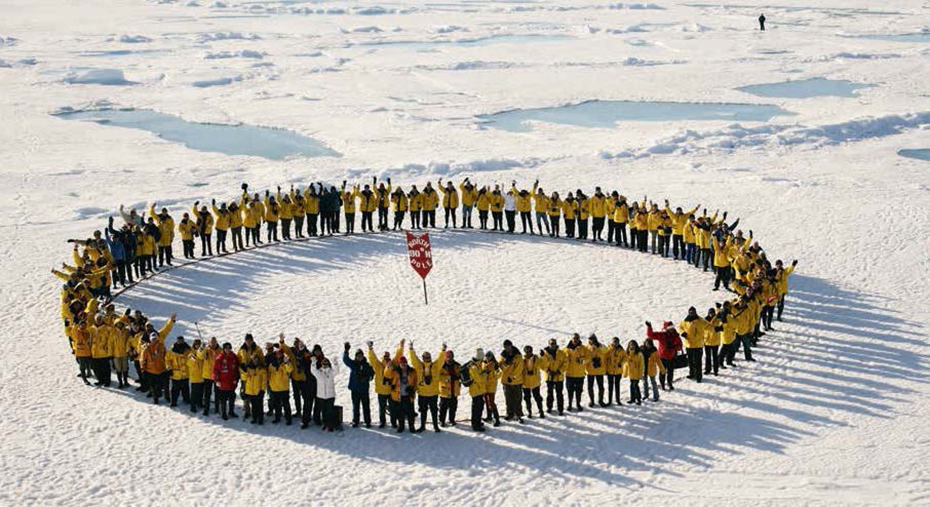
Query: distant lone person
x,y
762,22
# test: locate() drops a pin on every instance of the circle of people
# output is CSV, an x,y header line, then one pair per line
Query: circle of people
x,y
205,374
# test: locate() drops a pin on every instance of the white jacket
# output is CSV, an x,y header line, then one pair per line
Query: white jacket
x,y
510,202
325,380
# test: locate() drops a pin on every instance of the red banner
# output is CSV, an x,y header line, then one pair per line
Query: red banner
x,y
421,256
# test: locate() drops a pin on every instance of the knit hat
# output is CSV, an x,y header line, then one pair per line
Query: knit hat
x,y
479,354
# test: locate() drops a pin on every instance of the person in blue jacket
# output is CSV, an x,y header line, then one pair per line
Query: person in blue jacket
x,y
360,375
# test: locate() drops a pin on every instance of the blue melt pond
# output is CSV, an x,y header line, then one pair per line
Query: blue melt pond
x,y
916,154
806,88
269,143
606,114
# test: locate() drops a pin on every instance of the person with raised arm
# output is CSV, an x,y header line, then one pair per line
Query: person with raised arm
x,y
382,385
403,381
450,202
272,214
221,223
400,203
679,220
477,389
299,211
469,199
165,224
781,283
280,367
360,376
524,206
429,201
428,373
325,373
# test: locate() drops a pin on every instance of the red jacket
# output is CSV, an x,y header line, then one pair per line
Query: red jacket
x,y
226,371
667,342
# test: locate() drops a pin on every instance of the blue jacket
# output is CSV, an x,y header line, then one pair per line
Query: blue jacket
x,y
361,374
117,250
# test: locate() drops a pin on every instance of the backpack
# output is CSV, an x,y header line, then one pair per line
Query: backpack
x,y
465,375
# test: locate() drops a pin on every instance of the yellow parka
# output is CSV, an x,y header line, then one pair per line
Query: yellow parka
x,y
597,360
616,356
195,366
531,368
381,387
496,202
655,365
254,380
449,384
177,363
693,331
479,379
469,195
512,372
554,365
450,197
279,377
633,367
429,199
209,358
576,360
598,206
427,374
220,218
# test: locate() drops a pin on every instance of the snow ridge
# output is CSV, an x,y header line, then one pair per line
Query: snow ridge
x,y
735,136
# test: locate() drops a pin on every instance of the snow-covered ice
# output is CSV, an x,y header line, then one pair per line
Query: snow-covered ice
x,y
834,412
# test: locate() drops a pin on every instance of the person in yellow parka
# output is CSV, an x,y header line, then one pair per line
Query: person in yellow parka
x,y
531,368
781,278
195,374
598,209
415,206
616,356
280,367
450,385
553,362
577,358
208,356
496,206
469,199
483,203
541,208
401,203
312,208
524,203
272,213
693,329
429,201
221,222
255,380
176,361
428,374
620,217
554,211
512,374
633,369
491,370
679,220
120,352
570,211
382,387
166,229
726,322
204,221
80,339
403,381
654,366
285,213
450,201
477,389
596,367
712,342
187,229
102,337
384,202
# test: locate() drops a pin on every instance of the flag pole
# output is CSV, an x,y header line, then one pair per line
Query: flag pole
x,y
425,297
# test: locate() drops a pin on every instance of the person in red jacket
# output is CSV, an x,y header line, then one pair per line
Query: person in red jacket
x,y
668,343
226,377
